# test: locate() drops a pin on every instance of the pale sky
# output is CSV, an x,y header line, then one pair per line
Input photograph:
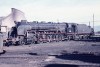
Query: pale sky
x,y
78,11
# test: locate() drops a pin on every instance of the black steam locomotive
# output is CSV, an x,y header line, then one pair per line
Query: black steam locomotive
x,y
42,32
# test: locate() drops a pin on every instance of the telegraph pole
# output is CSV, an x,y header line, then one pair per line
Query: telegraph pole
x,y
93,21
89,23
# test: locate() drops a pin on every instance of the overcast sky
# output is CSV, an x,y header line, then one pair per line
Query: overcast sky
x,y
78,11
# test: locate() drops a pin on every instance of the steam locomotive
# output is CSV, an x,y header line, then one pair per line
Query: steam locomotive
x,y
41,32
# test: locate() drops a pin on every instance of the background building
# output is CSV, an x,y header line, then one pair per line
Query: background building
x,y
9,21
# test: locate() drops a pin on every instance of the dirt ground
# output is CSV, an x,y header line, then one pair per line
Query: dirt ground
x,y
66,53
